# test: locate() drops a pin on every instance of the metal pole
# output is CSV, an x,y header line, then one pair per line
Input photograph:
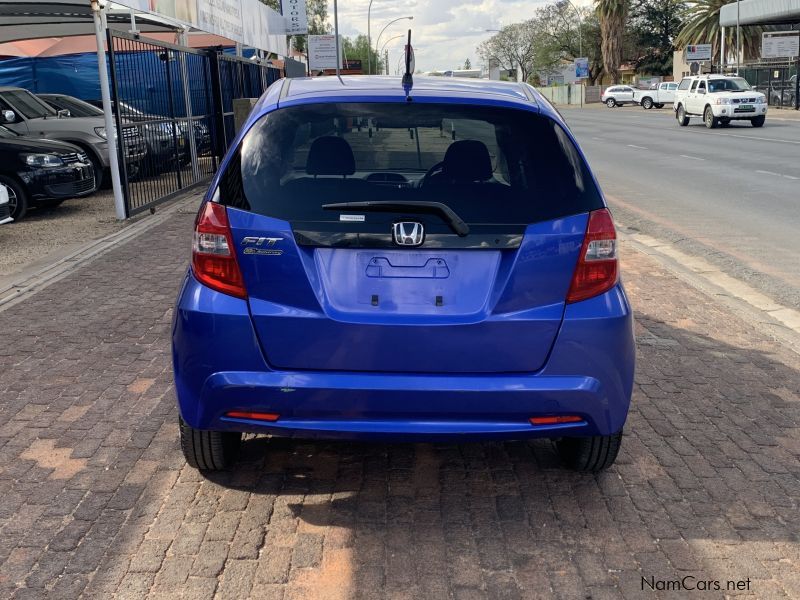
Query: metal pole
x,y
369,38
738,38
723,60
378,42
387,62
336,33
105,95
187,100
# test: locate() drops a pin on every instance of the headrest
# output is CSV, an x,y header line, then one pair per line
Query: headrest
x,y
330,155
467,160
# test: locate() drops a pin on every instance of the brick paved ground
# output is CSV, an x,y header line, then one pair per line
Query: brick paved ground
x,y
95,498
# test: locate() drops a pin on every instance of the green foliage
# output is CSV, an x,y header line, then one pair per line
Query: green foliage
x,y
467,65
653,27
702,27
358,48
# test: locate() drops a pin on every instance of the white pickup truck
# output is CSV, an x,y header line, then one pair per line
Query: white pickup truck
x,y
719,99
658,95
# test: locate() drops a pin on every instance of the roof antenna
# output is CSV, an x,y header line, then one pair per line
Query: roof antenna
x,y
408,77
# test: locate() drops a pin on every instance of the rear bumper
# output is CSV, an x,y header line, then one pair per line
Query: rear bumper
x,y
219,368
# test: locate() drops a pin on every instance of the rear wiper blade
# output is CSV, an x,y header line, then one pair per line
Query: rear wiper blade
x,y
453,220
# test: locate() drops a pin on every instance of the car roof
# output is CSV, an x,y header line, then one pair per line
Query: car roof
x,y
361,88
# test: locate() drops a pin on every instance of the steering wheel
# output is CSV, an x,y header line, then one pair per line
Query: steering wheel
x,y
432,171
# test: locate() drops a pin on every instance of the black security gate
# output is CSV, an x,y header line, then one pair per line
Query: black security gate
x,y
777,80
174,106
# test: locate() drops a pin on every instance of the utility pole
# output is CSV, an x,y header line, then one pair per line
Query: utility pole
x,y
336,33
369,38
738,38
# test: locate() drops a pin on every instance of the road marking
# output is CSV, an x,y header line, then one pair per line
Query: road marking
x,y
691,157
791,177
637,147
597,138
769,173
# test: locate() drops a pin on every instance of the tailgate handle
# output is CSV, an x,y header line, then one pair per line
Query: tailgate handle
x,y
434,268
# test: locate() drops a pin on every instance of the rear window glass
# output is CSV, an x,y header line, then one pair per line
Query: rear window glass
x,y
489,165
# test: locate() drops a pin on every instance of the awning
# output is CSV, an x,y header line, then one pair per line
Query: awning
x,y
760,12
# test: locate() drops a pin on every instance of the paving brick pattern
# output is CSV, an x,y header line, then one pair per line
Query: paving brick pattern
x,y
96,500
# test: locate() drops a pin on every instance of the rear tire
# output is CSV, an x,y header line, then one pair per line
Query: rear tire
x,y
709,119
683,120
17,198
659,105
611,103
209,450
758,121
590,454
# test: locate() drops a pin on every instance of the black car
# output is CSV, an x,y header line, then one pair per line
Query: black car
x,y
42,172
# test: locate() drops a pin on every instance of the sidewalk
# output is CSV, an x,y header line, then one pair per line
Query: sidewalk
x,y
97,500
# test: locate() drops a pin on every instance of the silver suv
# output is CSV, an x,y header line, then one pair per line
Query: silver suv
x,y
26,114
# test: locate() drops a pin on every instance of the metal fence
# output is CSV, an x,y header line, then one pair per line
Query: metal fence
x,y
779,82
175,107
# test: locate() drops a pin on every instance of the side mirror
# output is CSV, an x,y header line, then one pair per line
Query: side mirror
x,y
64,114
9,116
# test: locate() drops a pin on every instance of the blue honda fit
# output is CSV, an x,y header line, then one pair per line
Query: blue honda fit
x,y
374,262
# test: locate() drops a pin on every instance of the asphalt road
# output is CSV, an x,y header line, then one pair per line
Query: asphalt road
x,y
730,195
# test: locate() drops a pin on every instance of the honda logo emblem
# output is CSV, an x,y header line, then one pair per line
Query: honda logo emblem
x,y
408,233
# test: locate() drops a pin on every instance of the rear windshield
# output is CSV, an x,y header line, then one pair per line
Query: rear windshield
x,y
489,165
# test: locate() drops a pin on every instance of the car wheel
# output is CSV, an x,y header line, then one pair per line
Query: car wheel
x,y
611,103
709,119
683,120
594,453
17,198
758,121
209,450
724,122
659,105
647,103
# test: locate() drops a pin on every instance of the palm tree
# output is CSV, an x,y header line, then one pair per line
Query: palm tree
x,y
612,15
702,27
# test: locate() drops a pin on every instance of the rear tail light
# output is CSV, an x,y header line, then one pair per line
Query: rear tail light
x,y
597,270
213,256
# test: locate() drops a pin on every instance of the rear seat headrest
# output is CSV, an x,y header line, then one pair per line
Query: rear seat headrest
x,y
330,155
467,160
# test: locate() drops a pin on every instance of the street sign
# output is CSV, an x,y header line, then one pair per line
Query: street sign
x,y
780,44
581,68
322,52
698,52
294,11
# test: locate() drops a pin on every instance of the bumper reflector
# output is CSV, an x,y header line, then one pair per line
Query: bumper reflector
x,y
555,420
255,416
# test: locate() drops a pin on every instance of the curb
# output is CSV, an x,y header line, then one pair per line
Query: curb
x,y
30,283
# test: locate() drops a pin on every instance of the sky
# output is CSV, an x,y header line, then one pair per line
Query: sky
x,y
444,32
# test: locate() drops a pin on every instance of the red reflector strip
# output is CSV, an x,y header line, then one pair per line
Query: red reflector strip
x,y
255,416
555,420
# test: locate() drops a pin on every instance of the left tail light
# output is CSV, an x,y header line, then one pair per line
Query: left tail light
x,y
214,261
597,270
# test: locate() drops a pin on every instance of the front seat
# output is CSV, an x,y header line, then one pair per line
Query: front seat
x,y
330,155
466,161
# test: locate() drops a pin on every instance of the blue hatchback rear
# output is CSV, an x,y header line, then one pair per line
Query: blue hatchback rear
x,y
381,265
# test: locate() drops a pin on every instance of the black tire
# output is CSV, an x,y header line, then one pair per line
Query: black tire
x,y
680,114
611,103
647,103
209,450
17,197
758,121
592,454
709,119
724,122
659,105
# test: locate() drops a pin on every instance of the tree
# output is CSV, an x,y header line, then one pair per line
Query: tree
x,y
702,27
612,15
512,47
358,49
654,25
467,65
572,36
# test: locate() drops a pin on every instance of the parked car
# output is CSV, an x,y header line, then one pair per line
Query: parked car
x,y
42,172
5,207
26,114
618,95
719,99
658,95
403,287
